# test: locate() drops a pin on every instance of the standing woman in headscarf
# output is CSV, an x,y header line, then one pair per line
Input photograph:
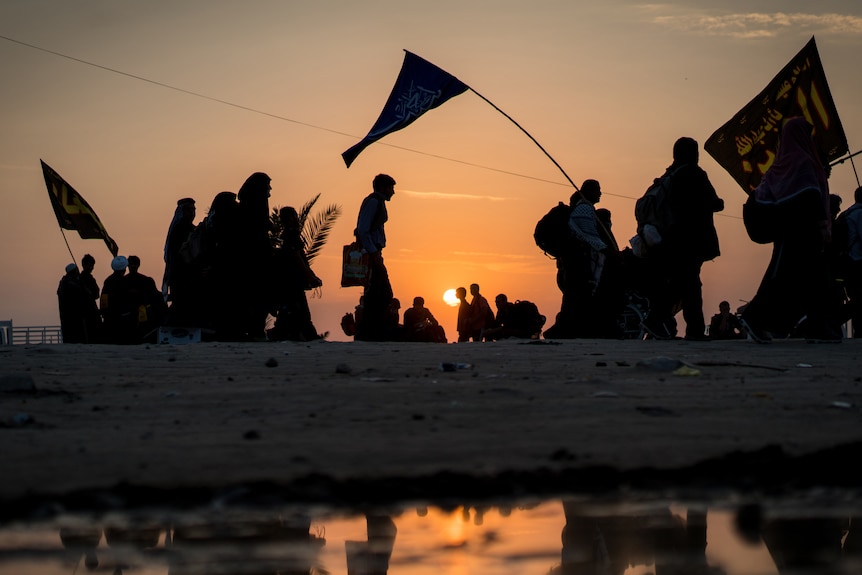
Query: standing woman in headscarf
x,y
793,203
255,263
177,284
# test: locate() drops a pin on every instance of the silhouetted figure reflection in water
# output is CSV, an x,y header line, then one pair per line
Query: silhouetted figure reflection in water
x,y
81,540
372,557
248,545
608,544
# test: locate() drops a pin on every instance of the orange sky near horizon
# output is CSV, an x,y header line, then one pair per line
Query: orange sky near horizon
x,y
188,99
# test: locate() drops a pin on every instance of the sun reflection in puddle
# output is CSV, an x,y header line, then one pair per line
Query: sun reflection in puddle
x,y
546,538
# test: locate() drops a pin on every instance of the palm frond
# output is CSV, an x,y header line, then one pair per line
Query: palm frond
x,y
305,210
315,231
277,227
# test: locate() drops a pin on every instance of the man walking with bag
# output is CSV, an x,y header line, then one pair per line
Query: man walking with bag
x,y
370,233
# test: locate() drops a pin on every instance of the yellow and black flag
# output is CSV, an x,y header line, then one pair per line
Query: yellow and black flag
x,y
73,212
746,145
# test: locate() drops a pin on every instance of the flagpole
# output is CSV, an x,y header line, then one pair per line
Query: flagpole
x,y
845,158
528,135
68,247
852,163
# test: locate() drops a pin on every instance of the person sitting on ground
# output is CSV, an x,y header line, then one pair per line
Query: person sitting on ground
x,y
421,325
725,325
519,319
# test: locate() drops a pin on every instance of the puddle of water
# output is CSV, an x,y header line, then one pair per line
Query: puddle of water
x,y
576,536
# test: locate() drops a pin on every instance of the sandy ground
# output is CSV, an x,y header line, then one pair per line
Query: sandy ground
x,y
327,419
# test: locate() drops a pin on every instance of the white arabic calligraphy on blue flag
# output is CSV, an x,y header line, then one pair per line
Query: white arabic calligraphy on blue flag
x,y
421,86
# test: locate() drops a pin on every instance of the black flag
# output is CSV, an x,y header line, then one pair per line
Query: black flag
x,y
746,145
73,212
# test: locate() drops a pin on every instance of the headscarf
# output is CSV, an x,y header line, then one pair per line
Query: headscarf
x,y
220,209
178,219
253,198
179,216
797,167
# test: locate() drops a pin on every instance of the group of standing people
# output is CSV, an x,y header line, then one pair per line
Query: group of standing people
x,y
225,275
127,309
812,285
594,275
229,272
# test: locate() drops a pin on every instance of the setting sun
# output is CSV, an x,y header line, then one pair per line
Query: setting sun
x,y
449,297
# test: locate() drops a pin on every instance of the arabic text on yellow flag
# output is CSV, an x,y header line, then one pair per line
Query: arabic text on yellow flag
x,y
746,145
73,212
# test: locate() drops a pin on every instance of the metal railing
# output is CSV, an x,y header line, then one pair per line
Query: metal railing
x,y
29,334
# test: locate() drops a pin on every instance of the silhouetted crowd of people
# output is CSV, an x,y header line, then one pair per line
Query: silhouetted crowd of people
x,y
810,288
127,309
224,275
239,265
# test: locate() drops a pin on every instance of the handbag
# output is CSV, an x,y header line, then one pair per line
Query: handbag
x,y
762,221
355,266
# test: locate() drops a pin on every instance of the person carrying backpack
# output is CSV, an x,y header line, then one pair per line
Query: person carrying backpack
x,y
579,269
689,240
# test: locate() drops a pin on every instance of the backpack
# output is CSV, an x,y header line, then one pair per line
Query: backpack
x,y
552,232
651,209
193,248
524,315
348,324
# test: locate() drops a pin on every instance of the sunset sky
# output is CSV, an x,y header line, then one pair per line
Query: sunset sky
x,y
137,104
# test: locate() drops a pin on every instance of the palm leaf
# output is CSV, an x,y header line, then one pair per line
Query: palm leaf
x,y
305,210
315,231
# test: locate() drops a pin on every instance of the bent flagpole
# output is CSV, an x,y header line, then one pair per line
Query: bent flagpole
x,y
529,136
422,86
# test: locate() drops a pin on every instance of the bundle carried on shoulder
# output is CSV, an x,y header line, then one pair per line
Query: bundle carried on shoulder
x,y
552,232
653,215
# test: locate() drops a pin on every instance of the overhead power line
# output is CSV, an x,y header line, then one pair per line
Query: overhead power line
x,y
291,120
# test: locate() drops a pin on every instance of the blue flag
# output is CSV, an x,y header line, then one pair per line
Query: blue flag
x,y
421,86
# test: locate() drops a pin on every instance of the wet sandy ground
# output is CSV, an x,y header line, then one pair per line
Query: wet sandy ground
x,y
349,419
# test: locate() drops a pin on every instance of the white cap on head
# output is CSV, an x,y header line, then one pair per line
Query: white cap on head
x,y
119,263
